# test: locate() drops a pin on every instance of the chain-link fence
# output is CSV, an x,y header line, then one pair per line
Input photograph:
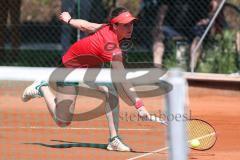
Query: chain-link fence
x,y
167,32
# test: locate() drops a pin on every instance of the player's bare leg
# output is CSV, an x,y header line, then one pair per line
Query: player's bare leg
x,y
112,110
112,113
60,106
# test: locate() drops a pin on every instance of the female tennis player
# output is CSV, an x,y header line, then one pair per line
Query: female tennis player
x,y
102,45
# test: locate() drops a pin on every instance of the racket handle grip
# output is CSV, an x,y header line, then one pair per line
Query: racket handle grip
x,y
157,119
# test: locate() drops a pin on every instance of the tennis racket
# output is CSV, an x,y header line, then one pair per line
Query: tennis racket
x,y
197,129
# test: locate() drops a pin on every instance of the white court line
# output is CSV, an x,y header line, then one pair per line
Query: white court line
x,y
150,153
70,128
165,148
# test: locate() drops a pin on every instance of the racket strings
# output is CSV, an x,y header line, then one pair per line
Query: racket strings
x,y
201,131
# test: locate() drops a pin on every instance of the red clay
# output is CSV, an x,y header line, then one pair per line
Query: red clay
x,y
218,107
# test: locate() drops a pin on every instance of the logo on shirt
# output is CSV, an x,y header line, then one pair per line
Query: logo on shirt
x,y
126,44
110,46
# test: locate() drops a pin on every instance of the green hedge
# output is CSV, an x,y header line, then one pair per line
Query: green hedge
x,y
221,55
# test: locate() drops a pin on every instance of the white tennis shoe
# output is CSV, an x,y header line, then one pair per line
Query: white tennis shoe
x,y
33,90
116,144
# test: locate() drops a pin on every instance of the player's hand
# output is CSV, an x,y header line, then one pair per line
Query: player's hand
x,y
65,17
143,113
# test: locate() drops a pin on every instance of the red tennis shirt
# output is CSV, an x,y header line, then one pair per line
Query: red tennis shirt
x,y
93,50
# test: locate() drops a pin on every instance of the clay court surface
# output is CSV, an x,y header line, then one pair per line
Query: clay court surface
x,y
28,132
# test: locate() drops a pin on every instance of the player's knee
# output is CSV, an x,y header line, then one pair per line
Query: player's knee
x,y
62,124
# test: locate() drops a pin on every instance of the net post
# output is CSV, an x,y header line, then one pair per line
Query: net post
x,y
176,116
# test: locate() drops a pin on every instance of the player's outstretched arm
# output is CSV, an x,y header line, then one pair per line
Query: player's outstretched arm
x,y
127,87
81,24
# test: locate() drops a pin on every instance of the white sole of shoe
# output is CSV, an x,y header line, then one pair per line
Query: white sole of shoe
x,y
111,149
